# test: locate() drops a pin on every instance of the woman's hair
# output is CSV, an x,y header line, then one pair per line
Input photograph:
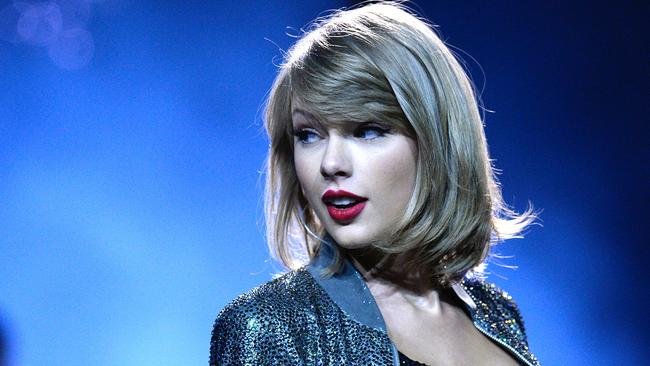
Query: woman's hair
x,y
380,62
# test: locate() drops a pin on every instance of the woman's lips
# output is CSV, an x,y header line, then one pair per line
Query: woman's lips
x,y
343,213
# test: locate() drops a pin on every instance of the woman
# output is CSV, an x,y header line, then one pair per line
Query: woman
x,y
379,179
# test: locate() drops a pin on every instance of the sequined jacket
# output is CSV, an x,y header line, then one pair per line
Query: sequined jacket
x,y
302,318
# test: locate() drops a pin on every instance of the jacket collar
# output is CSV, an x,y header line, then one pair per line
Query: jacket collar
x,y
349,291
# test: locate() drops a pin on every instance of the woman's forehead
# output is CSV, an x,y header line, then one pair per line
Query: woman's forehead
x,y
299,116
304,114
301,111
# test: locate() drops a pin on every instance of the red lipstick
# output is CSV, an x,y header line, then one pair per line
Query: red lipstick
x,y
342,205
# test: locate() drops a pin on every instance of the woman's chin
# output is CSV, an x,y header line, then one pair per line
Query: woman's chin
x,y
350,239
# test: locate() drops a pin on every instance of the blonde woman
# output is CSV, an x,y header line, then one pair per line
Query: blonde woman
x,y
382,201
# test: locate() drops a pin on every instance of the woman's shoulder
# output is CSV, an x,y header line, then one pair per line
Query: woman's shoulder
x,y
269,299
497,313
489,295
262,318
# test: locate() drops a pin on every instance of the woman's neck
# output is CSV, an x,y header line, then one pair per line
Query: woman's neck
x,y
389,278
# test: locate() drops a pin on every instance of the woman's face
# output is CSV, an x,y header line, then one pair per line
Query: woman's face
x,y
358,177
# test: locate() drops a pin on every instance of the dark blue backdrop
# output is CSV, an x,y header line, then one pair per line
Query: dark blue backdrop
x,y
131,148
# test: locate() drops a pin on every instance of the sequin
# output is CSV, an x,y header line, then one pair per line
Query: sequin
x,y
295,323
291,320
302,318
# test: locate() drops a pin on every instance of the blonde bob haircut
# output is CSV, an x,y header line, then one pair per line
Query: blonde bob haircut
x,y
381,62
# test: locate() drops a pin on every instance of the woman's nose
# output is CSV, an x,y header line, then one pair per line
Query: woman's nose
x,y
336,160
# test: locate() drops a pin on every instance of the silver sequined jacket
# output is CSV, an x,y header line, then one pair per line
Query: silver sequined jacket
x,y
301,318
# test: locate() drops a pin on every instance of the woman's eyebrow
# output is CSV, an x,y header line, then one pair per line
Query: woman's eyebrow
x,y
305,114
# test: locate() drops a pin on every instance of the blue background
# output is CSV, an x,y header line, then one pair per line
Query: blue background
x,y
130,187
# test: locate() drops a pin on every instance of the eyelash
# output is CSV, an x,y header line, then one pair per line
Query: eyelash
x,y
303,134
381,131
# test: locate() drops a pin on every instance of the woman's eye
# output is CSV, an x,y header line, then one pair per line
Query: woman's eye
x,y
369,132
306,136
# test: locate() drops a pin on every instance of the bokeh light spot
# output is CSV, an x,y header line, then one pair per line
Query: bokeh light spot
x,y
40,24
75,13
73,49
9,16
